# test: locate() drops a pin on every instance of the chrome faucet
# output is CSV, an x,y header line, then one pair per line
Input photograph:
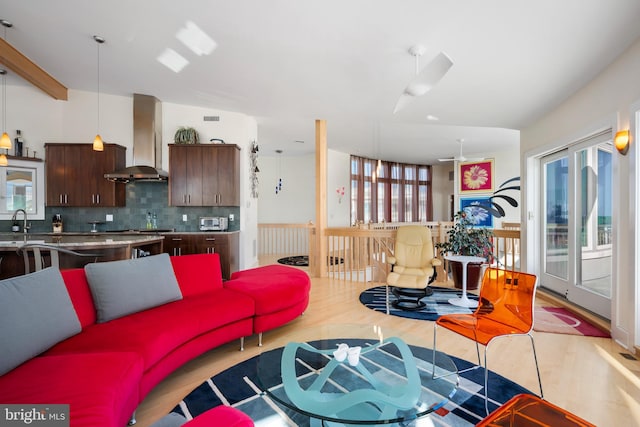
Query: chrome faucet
x,y
25,227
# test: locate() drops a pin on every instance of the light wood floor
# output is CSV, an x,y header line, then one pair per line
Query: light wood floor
x,y
585,375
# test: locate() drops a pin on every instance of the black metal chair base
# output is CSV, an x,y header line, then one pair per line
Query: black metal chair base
x,y
409,299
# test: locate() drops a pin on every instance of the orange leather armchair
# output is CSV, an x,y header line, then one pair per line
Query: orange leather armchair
x,y
506,309
413,267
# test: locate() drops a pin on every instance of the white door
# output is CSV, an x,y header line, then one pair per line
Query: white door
x,y
576,249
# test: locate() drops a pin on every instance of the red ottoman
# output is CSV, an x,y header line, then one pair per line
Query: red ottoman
x,y
223,416
281,294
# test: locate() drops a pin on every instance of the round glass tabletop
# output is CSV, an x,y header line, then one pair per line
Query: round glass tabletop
x,y
357,374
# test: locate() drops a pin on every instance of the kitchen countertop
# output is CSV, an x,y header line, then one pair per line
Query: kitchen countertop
x,y
12,241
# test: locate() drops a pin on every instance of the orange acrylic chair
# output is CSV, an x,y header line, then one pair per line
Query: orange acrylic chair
x,y
505,309
530,410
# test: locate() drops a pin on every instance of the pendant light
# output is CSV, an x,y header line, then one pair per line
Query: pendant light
x,y
97,141
5,141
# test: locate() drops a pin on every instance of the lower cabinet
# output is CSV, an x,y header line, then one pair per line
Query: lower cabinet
x,y
224,244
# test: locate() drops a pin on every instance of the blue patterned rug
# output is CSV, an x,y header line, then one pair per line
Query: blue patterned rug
x,y
238,387
437,304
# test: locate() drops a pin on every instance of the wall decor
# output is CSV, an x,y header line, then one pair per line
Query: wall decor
x,y
340,192
279,183
474,207
476,177
253,167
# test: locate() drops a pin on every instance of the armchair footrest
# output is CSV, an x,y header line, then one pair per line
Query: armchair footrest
x,y
409,298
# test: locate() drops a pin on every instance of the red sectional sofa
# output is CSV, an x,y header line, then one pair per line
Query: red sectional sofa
x,y
104,370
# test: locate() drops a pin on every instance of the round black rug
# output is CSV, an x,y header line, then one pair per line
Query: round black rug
x,y
297,261
303,260
436,304
237,387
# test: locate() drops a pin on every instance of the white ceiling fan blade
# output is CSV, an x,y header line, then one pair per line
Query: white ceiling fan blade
x,y
402,102
450,159
430,75
425,80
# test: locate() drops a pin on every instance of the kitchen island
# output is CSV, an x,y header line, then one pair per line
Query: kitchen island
x,y
105,247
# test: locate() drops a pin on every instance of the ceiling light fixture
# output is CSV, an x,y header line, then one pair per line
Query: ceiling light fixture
x,y
195,39
621,141
5,141
172,60
97,141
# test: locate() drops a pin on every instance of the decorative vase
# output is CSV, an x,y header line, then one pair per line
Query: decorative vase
x,y
474,274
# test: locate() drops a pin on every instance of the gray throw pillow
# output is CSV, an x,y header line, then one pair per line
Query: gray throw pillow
x,y
128,286
35,313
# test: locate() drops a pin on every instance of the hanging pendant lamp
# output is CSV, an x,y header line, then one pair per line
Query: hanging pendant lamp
x,y
5,141
97,141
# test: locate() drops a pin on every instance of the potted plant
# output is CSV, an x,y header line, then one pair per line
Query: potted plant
x,y
186,135
465,239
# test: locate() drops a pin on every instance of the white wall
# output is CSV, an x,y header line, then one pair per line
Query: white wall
x,y
338,176
608,96
43,119
296,202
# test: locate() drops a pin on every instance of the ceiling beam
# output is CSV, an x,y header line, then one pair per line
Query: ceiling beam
x,y
11,58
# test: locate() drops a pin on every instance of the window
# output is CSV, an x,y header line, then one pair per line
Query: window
x,y
22,187
389,191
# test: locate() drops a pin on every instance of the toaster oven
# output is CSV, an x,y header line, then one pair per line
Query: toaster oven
x,y
213,223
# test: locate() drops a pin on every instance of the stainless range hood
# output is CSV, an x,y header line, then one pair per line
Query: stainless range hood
x,y
147,143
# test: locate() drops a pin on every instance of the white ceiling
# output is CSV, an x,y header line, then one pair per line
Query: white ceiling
x,y
289,62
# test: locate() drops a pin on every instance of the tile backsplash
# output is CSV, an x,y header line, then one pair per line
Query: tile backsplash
x,y
142,197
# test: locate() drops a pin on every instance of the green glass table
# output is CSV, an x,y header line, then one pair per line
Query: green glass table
x,y
357,375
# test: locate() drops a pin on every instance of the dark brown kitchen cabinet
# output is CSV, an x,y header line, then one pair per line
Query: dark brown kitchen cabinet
x,y
224,244
204,175
75,175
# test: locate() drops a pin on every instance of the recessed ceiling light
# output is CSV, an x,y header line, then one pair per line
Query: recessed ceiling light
x,y
172,60
432,118
196,39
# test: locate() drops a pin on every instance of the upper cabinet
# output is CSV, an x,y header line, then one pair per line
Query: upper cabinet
x,y
75,175
204,175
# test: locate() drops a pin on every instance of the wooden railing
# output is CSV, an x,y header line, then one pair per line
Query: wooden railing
x,y
359,253
284,239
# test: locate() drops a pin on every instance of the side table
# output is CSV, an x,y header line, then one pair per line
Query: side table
x,y
464,301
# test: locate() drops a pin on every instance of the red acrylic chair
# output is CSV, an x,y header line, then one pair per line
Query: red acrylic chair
x,y
529,410
505,309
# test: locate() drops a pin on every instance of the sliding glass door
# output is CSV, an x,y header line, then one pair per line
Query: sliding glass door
x,y
576,250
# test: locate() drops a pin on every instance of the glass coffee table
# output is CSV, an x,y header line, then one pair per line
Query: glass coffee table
x,y
357,375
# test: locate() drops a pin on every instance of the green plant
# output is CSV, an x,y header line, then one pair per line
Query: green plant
x,y
464,239
186,135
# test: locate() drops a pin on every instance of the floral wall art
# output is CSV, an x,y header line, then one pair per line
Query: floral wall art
x,y
476,177
475,207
